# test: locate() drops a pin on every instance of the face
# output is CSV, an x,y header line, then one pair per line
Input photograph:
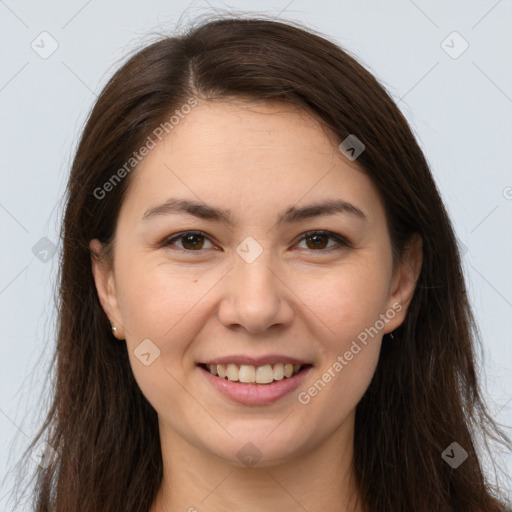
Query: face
x,y
254,277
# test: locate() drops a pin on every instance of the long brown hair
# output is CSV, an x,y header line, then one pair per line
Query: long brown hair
x,y
425,393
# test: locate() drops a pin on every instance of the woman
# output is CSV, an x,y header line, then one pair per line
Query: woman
x,y
261,300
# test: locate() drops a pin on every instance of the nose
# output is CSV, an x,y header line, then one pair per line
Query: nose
x,y
256,297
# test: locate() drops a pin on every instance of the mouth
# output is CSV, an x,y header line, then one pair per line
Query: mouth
x,y
250,374
255,381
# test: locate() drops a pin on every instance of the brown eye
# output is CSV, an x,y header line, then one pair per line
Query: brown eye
x,y
318,241
190,240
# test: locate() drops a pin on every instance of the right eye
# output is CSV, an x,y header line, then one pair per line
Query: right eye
x,y
192,241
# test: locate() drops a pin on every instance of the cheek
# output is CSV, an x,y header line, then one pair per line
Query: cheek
x,y
337,388
349,303
346,301
168,306
158,300
350,354
161,305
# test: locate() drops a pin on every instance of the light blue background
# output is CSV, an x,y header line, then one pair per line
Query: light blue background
x,y
460,109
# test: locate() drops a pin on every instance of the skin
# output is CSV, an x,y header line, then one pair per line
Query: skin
x,y
294,299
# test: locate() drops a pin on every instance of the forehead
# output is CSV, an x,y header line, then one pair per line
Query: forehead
x,y
247,154
227,135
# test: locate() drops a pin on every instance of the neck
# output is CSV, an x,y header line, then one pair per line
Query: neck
x,y
321,478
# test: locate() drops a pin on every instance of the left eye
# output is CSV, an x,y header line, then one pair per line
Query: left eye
x,y
194,240
317,239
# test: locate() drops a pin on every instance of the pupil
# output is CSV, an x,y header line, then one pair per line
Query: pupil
x,y
188,238
317,237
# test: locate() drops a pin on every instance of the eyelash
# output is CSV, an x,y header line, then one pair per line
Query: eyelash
x,y
342,242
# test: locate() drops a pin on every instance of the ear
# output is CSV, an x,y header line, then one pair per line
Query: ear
x,y
103,274
404,281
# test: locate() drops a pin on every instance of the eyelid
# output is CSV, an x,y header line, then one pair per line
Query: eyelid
x,y
342,241
177,236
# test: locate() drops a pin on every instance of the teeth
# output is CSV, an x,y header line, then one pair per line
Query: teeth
x,y
249,374
278,371
221,370
232,372
264,374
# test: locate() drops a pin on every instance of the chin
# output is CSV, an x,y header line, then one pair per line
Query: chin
x,y
257,450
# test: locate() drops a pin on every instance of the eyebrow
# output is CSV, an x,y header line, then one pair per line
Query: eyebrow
x,y
290,215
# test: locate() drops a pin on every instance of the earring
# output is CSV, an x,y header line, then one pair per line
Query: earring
x,y
391,336
114,328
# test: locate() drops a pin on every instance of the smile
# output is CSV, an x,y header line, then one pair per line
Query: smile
x,y
249,374
254,385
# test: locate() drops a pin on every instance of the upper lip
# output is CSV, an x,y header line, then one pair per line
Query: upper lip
x,y
256,361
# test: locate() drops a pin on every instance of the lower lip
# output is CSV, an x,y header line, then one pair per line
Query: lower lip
x,y
256,394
